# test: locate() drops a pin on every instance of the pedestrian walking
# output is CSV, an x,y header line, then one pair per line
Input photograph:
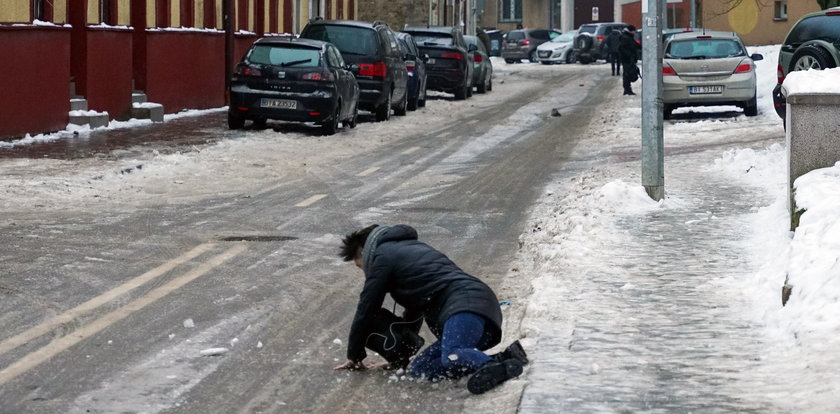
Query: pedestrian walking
x,y
613,40
460,310
628,51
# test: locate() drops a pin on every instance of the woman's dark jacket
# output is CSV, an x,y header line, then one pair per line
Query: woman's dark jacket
x,y
420,279
628,49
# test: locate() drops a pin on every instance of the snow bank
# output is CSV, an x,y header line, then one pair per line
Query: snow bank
x,y
813,81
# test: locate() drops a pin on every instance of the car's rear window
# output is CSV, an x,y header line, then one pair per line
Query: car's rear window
x,y
348,39
588,28
515,36
429,39
284,56
825,28
540,34
704,49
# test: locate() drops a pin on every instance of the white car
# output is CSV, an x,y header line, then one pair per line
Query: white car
x,y
558,49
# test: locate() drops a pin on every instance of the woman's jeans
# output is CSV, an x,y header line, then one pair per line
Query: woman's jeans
x,y
458,352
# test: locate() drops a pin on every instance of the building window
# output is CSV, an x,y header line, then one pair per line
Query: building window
x,y
780,10
510,10
42,10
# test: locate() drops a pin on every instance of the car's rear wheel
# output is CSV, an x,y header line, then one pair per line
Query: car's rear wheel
x,y
510,60
585,60
751,107
235,121
490,83
260,123
383,112
461,93
811,57
533,56
354,119
402,108
482,87
330,127
667,110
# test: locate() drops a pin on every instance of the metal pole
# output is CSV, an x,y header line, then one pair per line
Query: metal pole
x,y
653,162
227,21
693,13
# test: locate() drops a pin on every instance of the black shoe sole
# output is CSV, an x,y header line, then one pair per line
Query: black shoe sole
x,y
516,351
492,374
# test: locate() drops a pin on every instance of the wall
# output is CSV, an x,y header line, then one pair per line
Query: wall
x,y
753,20
181,74
35,94
107,83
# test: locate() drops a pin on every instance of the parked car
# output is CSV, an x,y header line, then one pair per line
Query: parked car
x,y
559,49
415,64
482,66
589,44
522,44
812,43
373,47
449,67
708,68
293,80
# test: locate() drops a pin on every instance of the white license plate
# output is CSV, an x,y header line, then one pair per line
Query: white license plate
x,y
431,61
700,90
278,103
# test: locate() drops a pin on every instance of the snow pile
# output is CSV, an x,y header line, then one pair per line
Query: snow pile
x,y
826,81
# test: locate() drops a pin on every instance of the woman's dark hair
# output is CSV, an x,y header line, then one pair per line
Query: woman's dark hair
x,y
353,243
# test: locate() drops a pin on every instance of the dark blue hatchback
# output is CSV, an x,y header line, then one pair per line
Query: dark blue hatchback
x,y
415,64
293,80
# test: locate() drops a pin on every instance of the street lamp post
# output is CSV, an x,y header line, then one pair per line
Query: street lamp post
x,y
653,165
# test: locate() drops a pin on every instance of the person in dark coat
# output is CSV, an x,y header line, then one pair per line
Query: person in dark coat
x,y
461,311
612,41
629,51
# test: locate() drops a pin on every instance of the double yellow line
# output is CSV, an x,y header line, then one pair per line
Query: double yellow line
x,y
43,354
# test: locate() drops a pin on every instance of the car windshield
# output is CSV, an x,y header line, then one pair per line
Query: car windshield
x,y
704,49
565,37
282,55
348,39
430,39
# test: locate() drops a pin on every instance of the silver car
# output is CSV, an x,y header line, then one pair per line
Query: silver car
x,y
558,49
704,68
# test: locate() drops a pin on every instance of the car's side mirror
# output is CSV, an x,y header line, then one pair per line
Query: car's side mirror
x,y
352,68
472,48
757,56
426,57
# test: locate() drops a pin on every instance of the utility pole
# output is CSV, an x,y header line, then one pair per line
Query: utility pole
x,y
228,13
653,162
693,22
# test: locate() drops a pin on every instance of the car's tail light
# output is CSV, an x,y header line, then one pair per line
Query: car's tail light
x,y
780,74
524,42
318,76
409,65
246,70
600,37
377,69
668,71
477,58
704,37
456,56
833,13
744,67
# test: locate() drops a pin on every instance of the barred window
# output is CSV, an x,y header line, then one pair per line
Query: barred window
x,y
510,10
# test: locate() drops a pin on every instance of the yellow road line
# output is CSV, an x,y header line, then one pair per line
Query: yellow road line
x,y
54,348
367,172
311,200
410,150
68,316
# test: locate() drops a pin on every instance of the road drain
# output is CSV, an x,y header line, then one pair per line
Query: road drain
x,y
262,238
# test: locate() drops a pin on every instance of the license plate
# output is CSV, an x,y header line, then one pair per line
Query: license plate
x,y
278,103
700,90
431,61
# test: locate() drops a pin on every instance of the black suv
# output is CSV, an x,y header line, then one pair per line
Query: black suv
x,y
450,64
589,44
812,43
381,70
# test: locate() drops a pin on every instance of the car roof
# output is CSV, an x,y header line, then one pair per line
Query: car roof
x,y
430,29
704,34
282,40
356,23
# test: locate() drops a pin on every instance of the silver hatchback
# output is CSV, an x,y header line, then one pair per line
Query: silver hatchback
x,y
705,68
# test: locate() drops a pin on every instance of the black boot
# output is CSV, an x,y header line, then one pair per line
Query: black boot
x,y
492,374
513,351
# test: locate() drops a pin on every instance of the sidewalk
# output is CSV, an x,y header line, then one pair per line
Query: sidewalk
x,y
639,306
